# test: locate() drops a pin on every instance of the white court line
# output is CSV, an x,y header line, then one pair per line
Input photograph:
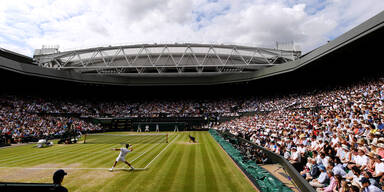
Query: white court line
x,y
13,159
161,151
68,168
142,154
45,155
106,152
69,152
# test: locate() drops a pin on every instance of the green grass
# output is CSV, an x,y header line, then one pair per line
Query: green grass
x,y
179,167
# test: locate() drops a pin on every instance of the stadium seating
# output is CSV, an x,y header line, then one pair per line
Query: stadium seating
x,y
339,129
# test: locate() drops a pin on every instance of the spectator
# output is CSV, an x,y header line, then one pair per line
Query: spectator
x,y
323,178
313,171
368,187
344,187
378,167
58,178
335,184
295,158
337,170
355,176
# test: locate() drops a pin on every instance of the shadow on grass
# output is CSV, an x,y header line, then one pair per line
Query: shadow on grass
x,y
129,170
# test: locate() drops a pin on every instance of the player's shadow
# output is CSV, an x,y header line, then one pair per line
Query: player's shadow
x,y
131,171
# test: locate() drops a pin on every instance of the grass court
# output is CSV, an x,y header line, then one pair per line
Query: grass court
x,y
174,166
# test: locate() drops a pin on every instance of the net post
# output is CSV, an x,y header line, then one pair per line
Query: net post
x,y
166,137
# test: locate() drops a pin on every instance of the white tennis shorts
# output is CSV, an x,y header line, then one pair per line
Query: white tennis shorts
x,y
122,159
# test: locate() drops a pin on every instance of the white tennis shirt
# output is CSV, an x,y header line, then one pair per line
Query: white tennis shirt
x,y
123,152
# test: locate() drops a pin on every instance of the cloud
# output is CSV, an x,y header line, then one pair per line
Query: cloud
x,y
26,25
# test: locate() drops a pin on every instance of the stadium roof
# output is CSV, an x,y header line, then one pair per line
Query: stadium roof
x,y
164,59
353,48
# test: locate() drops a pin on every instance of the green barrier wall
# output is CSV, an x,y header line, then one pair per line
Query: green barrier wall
x,y
259,176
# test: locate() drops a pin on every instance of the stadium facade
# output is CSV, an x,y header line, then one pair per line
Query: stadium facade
x,y
353,53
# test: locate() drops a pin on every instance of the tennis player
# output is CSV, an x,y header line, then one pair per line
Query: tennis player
x,y
192,139
121,157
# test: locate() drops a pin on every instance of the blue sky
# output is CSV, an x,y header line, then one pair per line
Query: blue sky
x,y
27,25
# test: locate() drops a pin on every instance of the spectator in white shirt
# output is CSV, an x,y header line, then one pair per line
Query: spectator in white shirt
x,y
352,158
324,159
379,167
317,157
322,180
295,158
287,155
302,149
361,160
334,140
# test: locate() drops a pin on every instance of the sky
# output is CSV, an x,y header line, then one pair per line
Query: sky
x,y
26,25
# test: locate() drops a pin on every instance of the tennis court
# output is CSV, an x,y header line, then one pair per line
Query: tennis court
x,y
176,165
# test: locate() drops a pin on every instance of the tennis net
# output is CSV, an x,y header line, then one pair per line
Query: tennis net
x,y
121,138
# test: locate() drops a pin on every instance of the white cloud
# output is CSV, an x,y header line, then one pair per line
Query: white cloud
x,y
15,48
26,25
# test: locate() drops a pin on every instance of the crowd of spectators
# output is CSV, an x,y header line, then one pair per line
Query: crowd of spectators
x,y
17,124
127,107
334,138
28,118
25,118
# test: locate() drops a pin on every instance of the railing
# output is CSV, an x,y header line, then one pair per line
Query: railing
x,y
19,187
